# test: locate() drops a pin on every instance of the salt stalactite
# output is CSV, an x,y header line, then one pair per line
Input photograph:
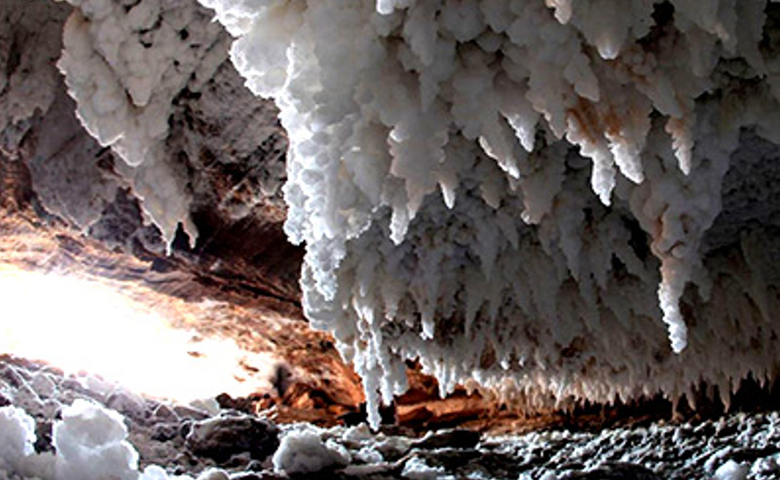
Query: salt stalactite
x,y
124,62
476,181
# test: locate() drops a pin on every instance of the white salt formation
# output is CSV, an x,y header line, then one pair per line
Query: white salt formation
x,y
303,451
124,62
90,443
478,184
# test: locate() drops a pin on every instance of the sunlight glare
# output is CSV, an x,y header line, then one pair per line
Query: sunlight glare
x,y
81,325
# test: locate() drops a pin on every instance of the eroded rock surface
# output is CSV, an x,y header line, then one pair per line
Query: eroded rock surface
x,y
221,438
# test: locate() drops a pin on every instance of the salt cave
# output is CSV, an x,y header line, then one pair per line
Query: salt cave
x,y
550,202
527,191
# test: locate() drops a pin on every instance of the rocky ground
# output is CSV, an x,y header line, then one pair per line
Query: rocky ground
x,y
213,441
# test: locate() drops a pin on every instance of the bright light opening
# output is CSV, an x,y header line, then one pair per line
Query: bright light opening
x,y
82,325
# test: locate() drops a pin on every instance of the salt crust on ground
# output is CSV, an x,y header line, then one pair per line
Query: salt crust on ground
x,y
304,452
95,441
90,443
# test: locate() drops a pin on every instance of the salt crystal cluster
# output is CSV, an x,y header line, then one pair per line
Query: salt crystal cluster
x,y
90,442
124,62
516,189
303,451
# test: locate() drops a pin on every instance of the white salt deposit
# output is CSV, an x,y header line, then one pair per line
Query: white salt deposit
x,y
476,182
90,442
124,66
417,469
731,470
304,451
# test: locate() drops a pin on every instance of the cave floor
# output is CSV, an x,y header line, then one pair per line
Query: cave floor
x,y
739,446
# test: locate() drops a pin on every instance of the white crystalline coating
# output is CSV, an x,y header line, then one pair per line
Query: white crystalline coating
x,y
124,66
17,435
417,469
90,442
213,474
443,161
304,451
731,470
